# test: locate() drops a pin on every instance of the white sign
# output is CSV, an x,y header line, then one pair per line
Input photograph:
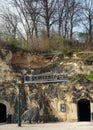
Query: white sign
x,y
46,78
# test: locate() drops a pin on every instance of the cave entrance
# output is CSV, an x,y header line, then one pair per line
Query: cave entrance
x,y
83,107
2,113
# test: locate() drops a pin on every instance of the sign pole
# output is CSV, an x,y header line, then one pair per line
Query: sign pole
x,y
19,115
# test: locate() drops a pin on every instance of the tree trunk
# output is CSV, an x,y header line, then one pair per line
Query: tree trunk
x,y
48,28
59,27
47,19
90,29
71,28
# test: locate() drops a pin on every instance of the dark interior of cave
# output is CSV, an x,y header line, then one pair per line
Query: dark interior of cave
x,y
83,106
2,113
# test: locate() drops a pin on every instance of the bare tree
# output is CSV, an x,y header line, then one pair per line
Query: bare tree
x,y
68,16
87,21
48,14
10,22
32,10
74,15
60,9
29,14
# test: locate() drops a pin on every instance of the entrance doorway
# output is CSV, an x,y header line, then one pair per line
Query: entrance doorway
x,y
83,107
2,113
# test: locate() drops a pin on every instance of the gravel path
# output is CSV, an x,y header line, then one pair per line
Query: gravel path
x,y
50,126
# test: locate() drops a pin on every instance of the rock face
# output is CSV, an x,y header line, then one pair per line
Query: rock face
x,y
25,60
55,101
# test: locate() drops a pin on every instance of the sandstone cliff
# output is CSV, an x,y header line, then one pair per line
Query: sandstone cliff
x,y
47,97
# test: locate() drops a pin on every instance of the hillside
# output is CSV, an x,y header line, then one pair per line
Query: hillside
x,y
16,64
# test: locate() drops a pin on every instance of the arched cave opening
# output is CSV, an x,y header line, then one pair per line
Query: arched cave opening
x,y
83,109
2,113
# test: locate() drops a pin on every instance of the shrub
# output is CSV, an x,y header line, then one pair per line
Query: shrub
x,y
89,60
56,42
90,77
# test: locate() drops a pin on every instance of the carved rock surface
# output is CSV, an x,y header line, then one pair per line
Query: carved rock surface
x,y
47,97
